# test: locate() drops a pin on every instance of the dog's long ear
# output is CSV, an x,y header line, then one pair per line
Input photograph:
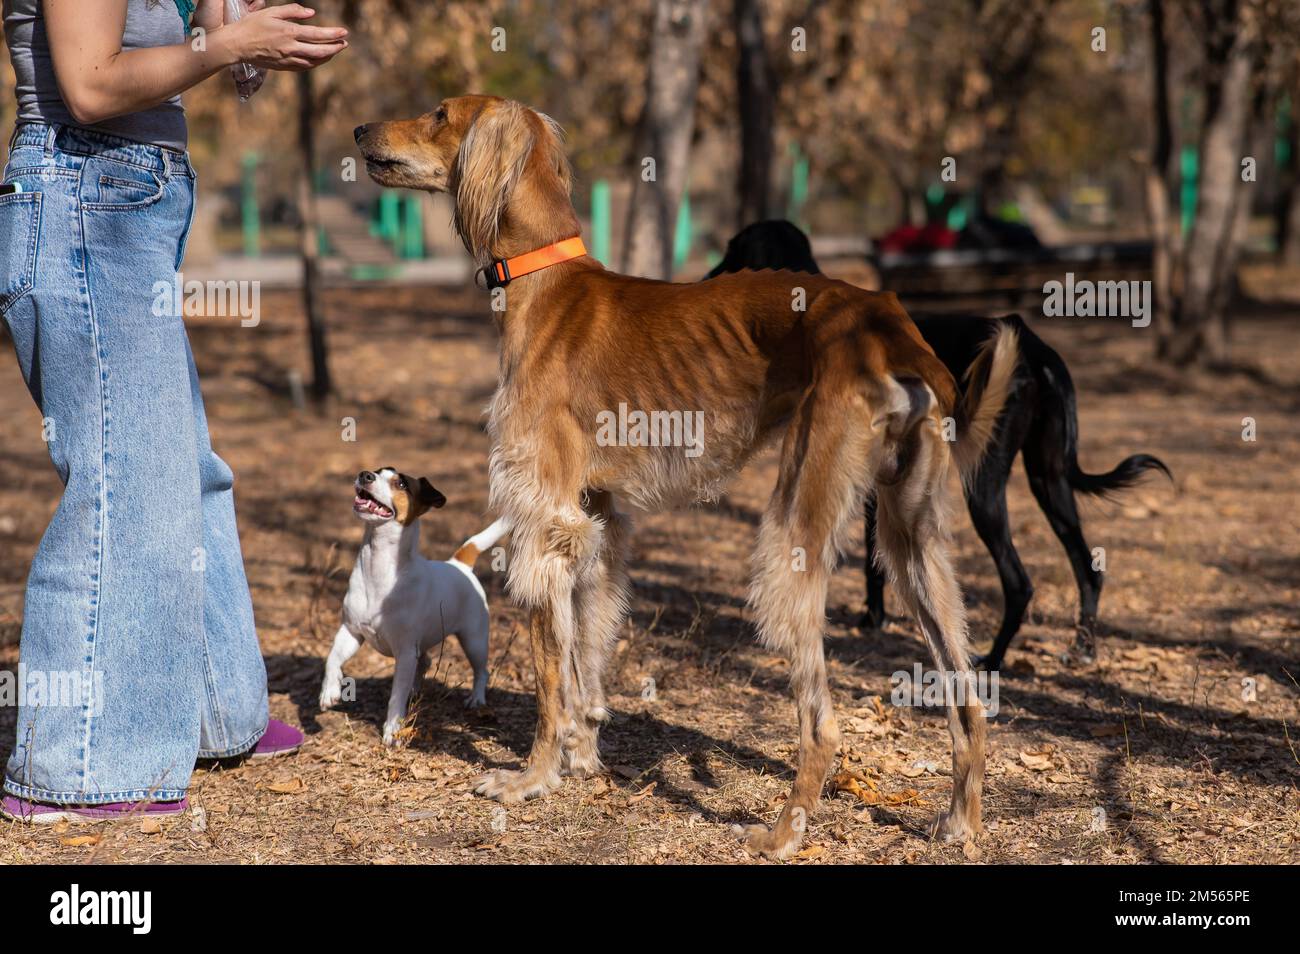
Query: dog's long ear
x,y
491,161
552,141
429,495
412,497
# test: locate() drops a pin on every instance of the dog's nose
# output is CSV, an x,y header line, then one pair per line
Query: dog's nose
x,y
365,477
359,132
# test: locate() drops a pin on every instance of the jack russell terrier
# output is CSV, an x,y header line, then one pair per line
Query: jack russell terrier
x,y
404,604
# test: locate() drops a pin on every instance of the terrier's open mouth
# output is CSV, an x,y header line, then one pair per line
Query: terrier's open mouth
x,y
365,503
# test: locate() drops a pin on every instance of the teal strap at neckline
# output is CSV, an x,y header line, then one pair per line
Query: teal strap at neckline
x,y
186,9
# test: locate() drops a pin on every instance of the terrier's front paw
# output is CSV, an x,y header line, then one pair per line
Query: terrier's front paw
x,y
331,692
393,734
476,700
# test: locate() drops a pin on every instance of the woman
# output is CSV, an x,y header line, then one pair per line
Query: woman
x,y
137,610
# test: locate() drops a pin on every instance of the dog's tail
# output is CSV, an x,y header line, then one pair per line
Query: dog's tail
x,y
1059,388
987,385
483,540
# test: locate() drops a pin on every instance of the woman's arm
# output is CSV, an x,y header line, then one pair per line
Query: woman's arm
x,y
98,80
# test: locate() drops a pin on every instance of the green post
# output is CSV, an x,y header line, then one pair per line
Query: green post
x,y
249,216
389,215
798,184
600,221
1188,162
682,236
412,227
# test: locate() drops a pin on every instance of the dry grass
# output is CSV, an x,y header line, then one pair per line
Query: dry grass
x,y
1152,755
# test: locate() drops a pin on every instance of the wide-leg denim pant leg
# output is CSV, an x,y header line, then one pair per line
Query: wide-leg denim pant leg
x,y
136,604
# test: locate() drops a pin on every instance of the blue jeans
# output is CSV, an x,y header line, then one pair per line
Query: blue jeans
x,y
137,622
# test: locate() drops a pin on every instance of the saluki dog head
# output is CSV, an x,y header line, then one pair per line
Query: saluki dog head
x,y
497,158
383,495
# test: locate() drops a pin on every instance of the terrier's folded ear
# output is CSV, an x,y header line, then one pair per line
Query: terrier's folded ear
x,y
429,495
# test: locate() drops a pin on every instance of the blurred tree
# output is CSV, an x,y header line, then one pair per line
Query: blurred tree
x,y
1164,235
667,123
1234,43
1229,33
321,384
756,100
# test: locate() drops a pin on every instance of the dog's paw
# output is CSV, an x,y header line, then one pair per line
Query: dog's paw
x,y
871,621
510,788
330,695
581,756
950,827
767,842
394,733
476,701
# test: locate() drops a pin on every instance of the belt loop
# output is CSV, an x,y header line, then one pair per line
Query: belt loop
x,y
51,132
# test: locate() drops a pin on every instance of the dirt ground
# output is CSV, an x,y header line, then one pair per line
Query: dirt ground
x,y
1158,753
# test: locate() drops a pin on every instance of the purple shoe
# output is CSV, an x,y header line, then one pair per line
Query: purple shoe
x,y
279,739
43,813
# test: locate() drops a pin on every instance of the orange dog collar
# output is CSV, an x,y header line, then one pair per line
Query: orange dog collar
x,y
502,272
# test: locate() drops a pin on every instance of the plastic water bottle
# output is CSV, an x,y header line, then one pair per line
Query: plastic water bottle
x,y
248,78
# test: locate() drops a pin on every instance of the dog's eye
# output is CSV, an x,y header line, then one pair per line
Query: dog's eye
x,y
440,114
401,484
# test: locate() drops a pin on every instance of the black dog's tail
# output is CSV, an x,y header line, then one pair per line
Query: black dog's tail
x,y
1122,476
1060,386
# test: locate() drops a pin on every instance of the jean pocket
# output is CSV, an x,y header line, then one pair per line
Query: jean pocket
x,y
20,231
119,193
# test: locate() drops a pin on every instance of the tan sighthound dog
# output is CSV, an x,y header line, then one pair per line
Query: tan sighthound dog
x,y
841,376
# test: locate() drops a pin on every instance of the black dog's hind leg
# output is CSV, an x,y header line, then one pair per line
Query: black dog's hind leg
x,y
874,617
986,499
1048,481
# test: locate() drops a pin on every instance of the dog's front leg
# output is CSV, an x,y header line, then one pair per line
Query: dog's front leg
x,y
543,772
408,664
345,647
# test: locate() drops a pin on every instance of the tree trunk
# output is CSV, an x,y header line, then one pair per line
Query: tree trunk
x,y
665,136
320,378
1289,227
1210,257
756,90
1286,209
1159,206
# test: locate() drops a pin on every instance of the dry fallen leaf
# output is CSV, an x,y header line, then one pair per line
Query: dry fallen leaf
x,y
812,851
286,787
150,826
868,792
79,841
644,793
1038,761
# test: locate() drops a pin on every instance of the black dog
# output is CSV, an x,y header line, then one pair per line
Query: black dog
x,y
1040,421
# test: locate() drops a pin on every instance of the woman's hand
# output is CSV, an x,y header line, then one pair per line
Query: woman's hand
x,y
274,39
211,14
